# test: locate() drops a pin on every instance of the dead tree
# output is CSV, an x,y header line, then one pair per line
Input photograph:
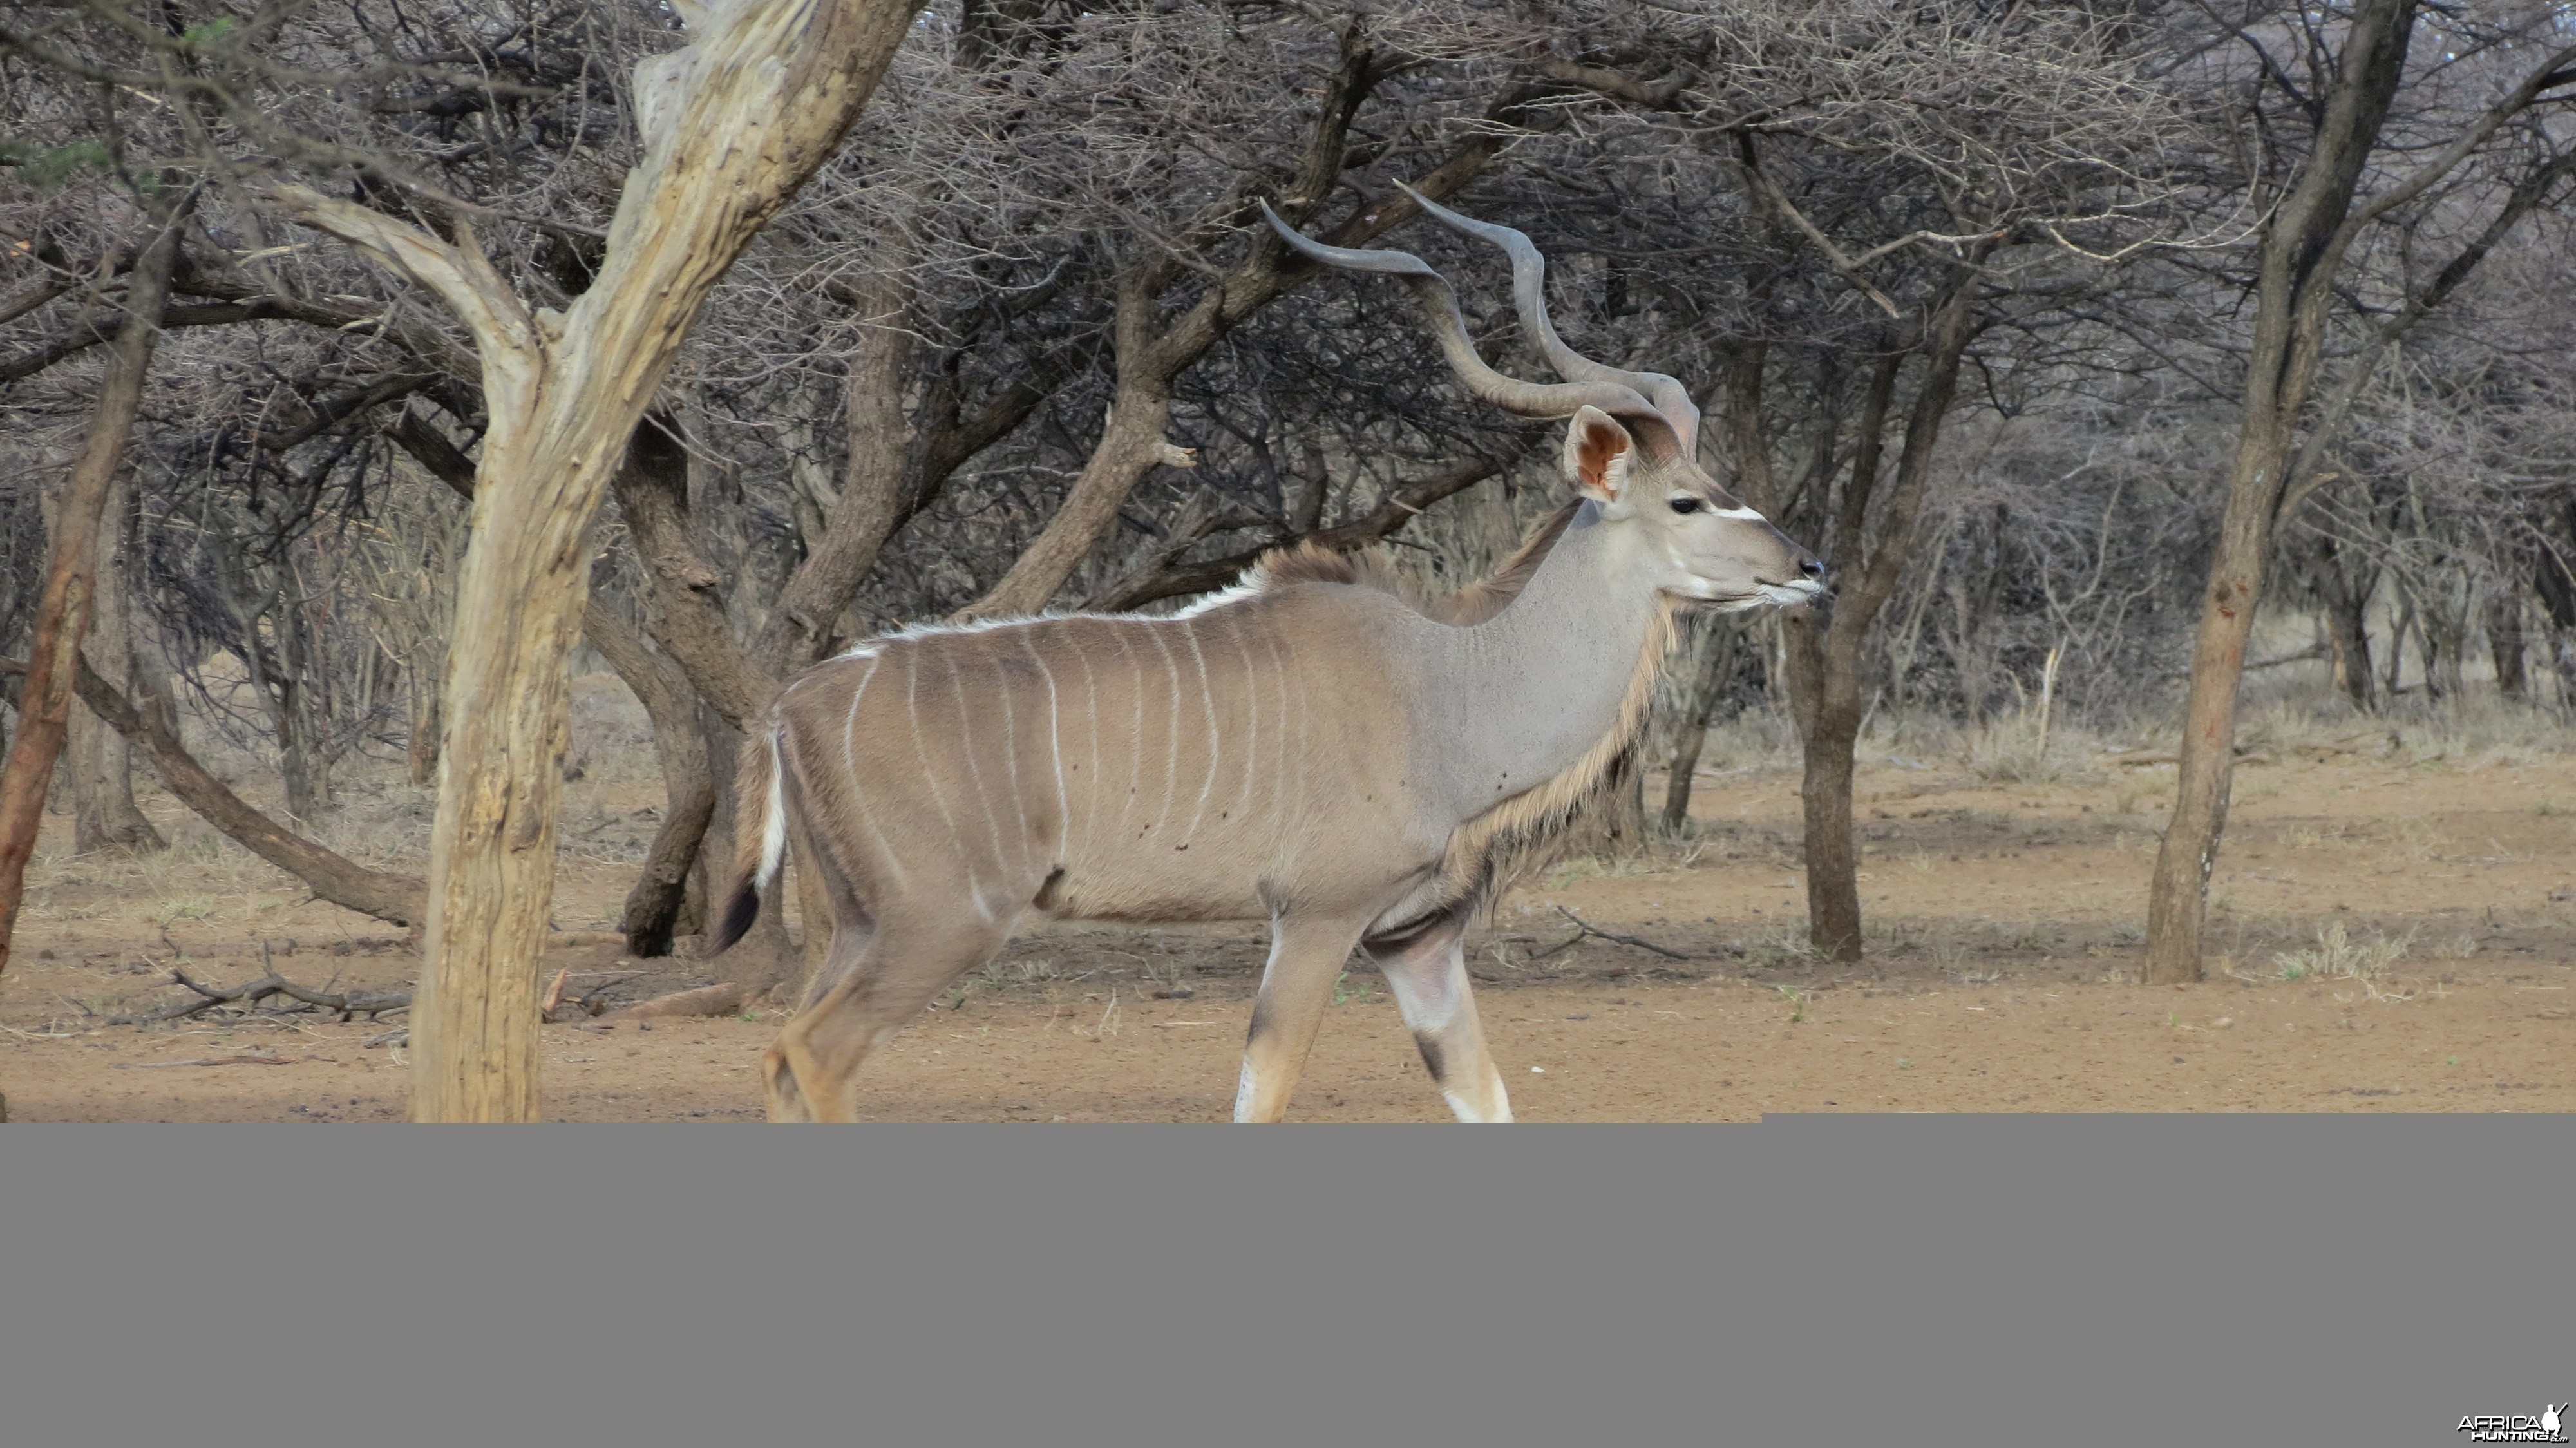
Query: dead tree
x,y
732,125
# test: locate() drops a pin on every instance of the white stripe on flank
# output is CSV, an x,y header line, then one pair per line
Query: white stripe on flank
x,y
1055,738
1091,713
975,774
1172,733
930,774
1283,676
1011,756
1207,702
1135,734
1252,722
850,757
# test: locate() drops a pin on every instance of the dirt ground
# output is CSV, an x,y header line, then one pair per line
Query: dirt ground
x,y
2396,929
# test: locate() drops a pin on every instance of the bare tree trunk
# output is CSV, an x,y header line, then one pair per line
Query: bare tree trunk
x,y
732,126
63,611
1717,670
1824,655
104,815
653,906
2505,642
2446,671
2303,246
2346,600
427,722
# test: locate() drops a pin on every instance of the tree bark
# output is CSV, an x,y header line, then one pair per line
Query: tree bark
x,y
1825,648
653,905
2505,643
1130,446
63,611
1717,669
104,815
2302,247
881,452
2345,596
427,720
732,126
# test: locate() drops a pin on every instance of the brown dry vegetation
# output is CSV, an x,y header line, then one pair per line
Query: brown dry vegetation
x,y
2394,924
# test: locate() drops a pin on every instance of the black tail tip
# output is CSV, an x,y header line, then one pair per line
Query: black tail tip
x,y
740,910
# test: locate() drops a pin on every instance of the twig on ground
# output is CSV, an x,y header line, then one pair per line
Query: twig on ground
x,y
1584,927
209,1061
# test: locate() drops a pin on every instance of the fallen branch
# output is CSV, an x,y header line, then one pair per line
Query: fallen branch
x,y
349,1004
209,1061
1584,927
707,1000
2312,651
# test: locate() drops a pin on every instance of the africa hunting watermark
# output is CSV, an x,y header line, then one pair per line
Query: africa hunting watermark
x,y
2549,1427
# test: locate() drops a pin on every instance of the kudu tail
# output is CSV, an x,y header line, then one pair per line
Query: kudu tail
x,y
759,833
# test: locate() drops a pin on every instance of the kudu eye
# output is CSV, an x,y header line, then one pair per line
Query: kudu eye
x,y
1685,503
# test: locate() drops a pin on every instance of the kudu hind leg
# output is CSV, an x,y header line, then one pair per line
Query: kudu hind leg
x,y
1426,972
875,980
1306,958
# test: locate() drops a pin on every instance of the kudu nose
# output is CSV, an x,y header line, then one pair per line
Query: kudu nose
x,y
1812,568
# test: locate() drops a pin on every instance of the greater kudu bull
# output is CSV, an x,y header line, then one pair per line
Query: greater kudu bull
x,y
1314,747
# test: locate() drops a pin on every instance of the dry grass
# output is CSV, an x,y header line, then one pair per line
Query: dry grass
x,y
2337,956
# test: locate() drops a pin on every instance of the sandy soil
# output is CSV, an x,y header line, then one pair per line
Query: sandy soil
x,y
2003,933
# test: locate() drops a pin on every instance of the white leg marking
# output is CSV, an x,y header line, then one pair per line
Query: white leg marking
x,y
1245,1088
1467,1111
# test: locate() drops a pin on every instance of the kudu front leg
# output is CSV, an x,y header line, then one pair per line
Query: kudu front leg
x,y
1306,958
1426,971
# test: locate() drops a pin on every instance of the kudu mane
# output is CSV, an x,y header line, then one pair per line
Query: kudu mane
x,y
1373,568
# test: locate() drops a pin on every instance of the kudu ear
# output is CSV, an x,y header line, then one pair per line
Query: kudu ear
x,y
1598,456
